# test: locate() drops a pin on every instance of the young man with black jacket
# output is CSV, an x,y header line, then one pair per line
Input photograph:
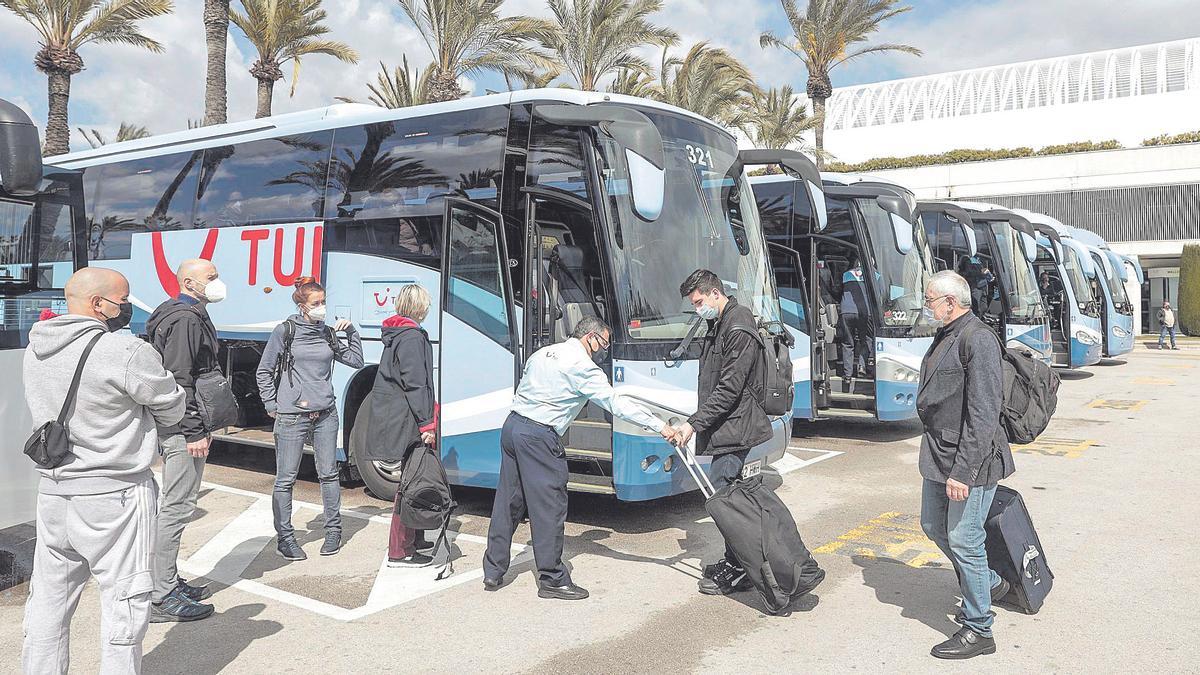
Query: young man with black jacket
x,y
729,420
184,334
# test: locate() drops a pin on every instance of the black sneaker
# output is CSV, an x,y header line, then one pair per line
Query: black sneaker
x,y
333,543
288,548
729,579
413,559
177,607
422,544
719,567
193,593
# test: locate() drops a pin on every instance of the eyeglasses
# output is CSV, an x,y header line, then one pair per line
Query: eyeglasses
x,y
929,301
604,344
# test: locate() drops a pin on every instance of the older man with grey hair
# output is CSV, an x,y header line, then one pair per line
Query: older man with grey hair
x,y
964,453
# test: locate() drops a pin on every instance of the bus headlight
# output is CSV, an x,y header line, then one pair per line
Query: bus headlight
x,y
1086,338
894,371
1120,332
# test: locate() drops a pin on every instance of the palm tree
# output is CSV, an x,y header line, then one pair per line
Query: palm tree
x,y
398,88
127,132
538,80
826,36
67,25
634,83
709,81
216,33
470,36
777,119
594,38
282,31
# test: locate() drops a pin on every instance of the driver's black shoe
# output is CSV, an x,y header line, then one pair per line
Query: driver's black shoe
x,y
964,644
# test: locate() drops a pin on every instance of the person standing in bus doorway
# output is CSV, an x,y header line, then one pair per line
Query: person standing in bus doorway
x,y
1166,319
856,326
730,420
558,381
295,380
964,454
183,333
403,412
96,511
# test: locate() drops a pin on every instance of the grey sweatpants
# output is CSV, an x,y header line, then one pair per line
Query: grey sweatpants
x,y
111,537
181,476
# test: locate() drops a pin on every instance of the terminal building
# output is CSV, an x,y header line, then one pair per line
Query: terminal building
x,y
1145,201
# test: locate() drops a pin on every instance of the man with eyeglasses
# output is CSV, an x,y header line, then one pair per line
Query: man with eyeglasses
x,y
557,383
964,453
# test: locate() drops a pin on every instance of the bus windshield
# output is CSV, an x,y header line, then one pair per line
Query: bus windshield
x,y
1078,281
709,220
1020,282
1116,287
900,278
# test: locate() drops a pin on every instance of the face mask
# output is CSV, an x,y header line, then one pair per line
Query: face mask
x,y
316,314
928,318
122,318
600,355
215,291
707,312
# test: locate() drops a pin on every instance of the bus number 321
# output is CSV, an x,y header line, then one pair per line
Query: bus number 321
x,y
699,156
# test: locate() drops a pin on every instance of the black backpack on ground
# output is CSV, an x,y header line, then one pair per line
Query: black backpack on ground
x,y
1014,551
772,377
761,532
285,361
1030,391
425,501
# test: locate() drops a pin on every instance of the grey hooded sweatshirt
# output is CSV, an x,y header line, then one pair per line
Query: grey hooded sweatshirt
x,y
308,387
125,394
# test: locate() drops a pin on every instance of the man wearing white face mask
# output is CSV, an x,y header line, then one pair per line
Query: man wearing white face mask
x,y
184,334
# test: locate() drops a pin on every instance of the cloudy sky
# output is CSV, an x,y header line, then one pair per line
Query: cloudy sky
x,y
163,91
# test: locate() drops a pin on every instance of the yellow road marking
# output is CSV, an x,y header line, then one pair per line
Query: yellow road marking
x,y
1071,448
893,535
1116,404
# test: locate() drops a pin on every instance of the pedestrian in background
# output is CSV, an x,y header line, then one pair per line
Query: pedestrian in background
x,y
1166,318
181,330
96,511
558,381
964,454
403,412
295,381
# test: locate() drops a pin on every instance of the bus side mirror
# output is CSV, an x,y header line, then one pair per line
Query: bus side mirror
x,y
1029,245
20,151
900,214
640,142
817,198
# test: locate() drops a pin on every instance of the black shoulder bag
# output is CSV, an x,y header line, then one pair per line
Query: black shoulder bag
x,y
50,445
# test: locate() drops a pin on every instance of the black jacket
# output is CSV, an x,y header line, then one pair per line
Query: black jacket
x,y
402,400
959,405
730,417
187,339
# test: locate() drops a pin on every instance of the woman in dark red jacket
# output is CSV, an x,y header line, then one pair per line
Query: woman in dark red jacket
x,y
403,411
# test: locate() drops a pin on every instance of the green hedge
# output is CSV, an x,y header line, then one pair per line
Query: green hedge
x,y
969,155
1189,290
1176,139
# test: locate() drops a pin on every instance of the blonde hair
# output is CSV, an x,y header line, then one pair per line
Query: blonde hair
x,y
413,301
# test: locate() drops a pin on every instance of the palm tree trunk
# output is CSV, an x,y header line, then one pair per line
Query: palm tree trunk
x,y
266,88
216,32
58,129
819,130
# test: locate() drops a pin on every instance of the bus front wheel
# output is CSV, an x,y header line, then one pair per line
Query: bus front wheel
x,y
381,478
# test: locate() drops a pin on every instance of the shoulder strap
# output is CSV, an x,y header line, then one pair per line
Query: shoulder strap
x,y
289,333
331,338
74,388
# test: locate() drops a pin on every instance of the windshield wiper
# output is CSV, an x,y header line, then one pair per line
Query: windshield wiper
x,y
682,347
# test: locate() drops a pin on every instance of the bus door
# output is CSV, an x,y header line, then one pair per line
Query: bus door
x,y
808,354
1026,322
566,284
478,347
1052,284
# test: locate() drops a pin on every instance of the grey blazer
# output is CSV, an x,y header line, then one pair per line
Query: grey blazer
x,y
959,404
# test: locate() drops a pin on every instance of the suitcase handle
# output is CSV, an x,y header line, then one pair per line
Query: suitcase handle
x,y
698,475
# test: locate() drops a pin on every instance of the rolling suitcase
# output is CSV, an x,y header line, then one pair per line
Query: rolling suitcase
x,y
762,534
1013,550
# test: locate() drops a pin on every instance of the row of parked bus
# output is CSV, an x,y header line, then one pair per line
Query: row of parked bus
x,y
1054,290
523,212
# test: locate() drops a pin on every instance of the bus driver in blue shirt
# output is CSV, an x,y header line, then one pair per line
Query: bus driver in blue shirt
x,y
558,381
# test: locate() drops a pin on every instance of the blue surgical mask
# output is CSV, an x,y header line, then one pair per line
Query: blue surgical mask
x,y
707,312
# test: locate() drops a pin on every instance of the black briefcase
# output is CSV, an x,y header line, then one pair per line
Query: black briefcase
x,y
1014,551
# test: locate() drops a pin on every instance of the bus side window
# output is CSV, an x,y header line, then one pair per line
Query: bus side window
x,y
141,195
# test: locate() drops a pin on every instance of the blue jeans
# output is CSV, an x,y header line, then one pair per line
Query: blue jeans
x,y
1162,335
957,529
291,431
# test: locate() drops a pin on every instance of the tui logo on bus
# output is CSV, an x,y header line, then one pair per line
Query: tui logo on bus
x,y
252,238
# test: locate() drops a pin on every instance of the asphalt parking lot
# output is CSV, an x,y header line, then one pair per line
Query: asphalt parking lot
x,y
1111,486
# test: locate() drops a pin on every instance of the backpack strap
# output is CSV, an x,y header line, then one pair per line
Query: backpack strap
x,y
962,342
284,362
74,388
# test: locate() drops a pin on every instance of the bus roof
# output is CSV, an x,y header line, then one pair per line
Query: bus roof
x,y
341,115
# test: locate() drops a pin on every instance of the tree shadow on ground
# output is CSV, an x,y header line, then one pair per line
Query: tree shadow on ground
x,y
210,645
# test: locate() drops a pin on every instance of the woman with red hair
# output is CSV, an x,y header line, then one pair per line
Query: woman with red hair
x,y
295,380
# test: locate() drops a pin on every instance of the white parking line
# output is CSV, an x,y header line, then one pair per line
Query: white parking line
x,y
790,462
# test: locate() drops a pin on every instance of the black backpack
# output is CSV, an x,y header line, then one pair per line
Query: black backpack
x,y
772,379
1030,391
285,361
425,502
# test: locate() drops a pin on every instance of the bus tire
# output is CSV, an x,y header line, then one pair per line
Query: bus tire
x,y
381,478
